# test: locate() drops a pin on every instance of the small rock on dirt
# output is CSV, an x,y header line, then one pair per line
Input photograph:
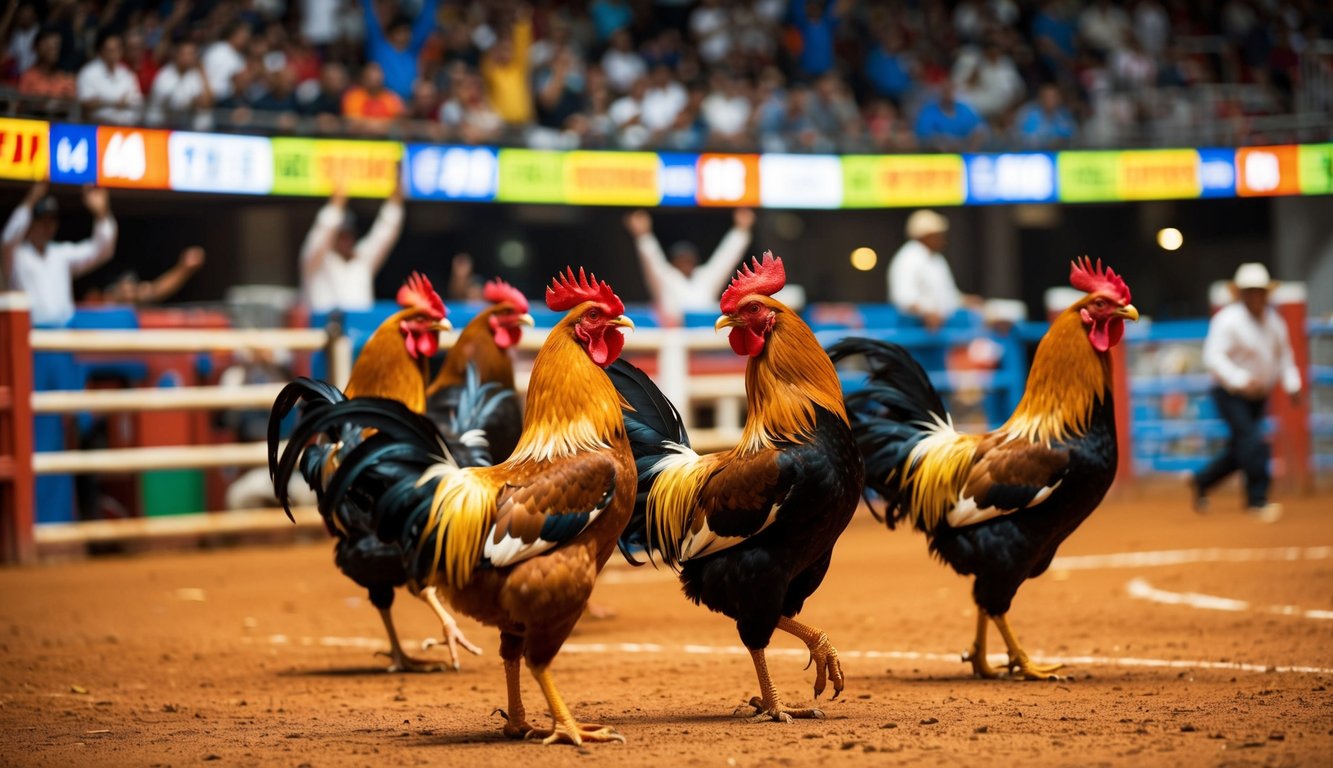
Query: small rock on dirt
x,y
929,721
1187,728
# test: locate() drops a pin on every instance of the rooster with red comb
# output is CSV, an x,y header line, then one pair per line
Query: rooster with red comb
x,y
517,545
997,506
751,530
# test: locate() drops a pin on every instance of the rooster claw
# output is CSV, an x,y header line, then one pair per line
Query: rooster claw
x,y
827,667
779,713
401,662
453,639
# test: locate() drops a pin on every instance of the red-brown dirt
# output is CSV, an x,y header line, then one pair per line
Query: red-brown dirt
x,y
262,656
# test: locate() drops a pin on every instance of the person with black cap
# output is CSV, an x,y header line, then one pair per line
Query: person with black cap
x,y
679,283
338,270
1248,352
44,269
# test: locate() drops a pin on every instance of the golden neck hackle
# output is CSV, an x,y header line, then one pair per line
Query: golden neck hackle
x,y
1067,380
475,345
385,369
785,383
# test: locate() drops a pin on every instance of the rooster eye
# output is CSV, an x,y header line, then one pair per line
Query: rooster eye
x,y
592,315
754,307
1100,303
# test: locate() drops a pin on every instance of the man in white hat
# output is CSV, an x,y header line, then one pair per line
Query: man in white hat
x,y
338,270
920,281
1248,354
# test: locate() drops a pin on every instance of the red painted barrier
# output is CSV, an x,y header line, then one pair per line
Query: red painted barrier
x,y
1292,443
16,475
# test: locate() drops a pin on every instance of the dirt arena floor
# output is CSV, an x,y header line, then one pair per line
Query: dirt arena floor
x,y
1190,641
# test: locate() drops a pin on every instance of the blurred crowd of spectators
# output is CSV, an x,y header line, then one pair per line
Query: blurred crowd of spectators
x,y
775,75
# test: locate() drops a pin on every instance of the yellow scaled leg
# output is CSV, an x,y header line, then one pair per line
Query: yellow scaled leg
x,y
822,654
1018,658
453,636
980,667
565,729
400,661
769,706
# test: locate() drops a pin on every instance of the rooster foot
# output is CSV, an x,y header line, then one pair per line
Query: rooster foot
x,y
514,728
453,638
779,713
401,662
979,666
824,657
576,734
1022,668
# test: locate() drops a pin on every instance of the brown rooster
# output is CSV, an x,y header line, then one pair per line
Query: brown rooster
x,y
392,365
484,346
752,529
517,545
997,506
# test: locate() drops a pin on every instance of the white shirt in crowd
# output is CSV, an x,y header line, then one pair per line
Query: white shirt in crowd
x,y
23,47
1241,349
118,87
48,277
673,293
726,114
997,86
622,68
660,105
921,283
221,63
173,92
331,282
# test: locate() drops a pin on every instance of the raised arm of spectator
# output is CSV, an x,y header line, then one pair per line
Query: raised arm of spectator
x,y
713,276
319,239
383,234
92,253
17,226
374,32
168,283
652,258
423,25
523,35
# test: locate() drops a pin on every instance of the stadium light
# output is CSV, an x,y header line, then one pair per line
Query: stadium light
x,y
864,258
1170,239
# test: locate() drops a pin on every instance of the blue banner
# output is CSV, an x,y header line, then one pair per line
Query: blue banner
x,y
1018,177
73,154
437,172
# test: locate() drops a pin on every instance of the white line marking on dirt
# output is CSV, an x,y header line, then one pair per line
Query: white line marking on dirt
x,y
1140,589
1184,556
374,643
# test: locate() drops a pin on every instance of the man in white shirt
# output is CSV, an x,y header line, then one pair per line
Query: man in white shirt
x,y
179,88
337,270
106,88
920,281
225,58
681,284
45,270
1248,353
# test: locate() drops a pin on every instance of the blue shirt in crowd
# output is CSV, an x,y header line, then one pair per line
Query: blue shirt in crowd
x,y
400,67
1037,129
888,73
933,123
816,39
609,16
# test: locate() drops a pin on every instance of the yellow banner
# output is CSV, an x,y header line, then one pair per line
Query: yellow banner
x,y
314,166
896,181
612,178
24,149
1159,174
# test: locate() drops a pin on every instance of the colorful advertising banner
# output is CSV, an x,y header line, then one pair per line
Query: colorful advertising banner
x,y
1267,171
210,162
24,146
903,181
451,173
678,177
73,154
1027,177
1316,169
1159,174
531,176
1086,177
800,181
1217,172
612,178
132,157
314,167
731,180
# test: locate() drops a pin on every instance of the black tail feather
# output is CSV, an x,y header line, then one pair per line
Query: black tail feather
x,y
316,395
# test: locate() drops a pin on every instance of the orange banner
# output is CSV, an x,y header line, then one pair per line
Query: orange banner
x,y
132,157
1266,171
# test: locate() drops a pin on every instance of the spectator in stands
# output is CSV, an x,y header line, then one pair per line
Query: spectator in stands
x,y
1103,25
325,104
464,282
662,101
338,270
180,88
886,130
505,70
129,289
1248,353
946,124
889,65
469,114
22,45
140,59
679,283
726,112
370,106
1054,34
279,99
45,269
44,78
397,51
559,90
621,63
225,58
987,80
710,28
816,24
921,283
1045,123
610,17
108,91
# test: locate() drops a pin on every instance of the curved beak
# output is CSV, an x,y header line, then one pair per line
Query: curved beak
x,y
725,321
442,325
623,322
525,319
1128,312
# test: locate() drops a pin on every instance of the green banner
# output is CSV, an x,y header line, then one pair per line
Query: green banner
x,y
1316,169
859,189
294,167
531,176
1087,177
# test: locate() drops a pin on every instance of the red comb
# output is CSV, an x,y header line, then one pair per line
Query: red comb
x,y
1090,278
417,293
764,277
567,291
498,290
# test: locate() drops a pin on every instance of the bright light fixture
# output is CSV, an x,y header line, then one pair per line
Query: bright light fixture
x,y
864,259
1170,239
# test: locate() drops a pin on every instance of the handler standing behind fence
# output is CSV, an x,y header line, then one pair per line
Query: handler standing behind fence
x,y
45,270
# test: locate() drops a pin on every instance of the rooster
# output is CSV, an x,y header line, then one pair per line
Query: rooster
x,y
517,545
484,344
392,365
752,530
996,506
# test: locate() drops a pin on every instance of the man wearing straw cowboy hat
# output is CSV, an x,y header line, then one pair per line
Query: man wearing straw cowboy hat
x,y
1248,354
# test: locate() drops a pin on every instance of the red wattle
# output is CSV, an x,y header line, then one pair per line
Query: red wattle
x,y
745,341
